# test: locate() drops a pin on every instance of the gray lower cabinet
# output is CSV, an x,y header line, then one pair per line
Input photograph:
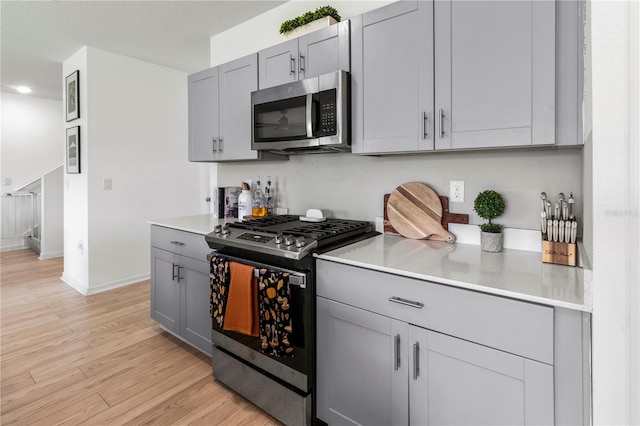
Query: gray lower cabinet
x,y
377,370
180,285
397,350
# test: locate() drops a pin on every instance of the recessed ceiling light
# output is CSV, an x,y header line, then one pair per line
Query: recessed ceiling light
x,y
24,89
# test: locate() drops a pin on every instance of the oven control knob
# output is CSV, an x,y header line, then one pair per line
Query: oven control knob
x,y
288,241
300,242
279,239
217,229
225,230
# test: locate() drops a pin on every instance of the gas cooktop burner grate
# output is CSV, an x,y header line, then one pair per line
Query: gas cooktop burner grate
x,y
264,222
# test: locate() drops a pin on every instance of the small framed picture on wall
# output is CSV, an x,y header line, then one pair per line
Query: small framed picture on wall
x,y
73,95
73,149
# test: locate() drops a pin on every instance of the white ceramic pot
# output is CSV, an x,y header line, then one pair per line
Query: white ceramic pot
x,y
491,242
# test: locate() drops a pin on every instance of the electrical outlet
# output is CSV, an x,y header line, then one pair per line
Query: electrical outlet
x,y
456,191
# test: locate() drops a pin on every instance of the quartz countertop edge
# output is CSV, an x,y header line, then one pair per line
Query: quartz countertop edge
x,y
198,224
514,274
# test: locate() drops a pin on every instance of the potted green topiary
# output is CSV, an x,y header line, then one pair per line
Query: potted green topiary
x,y
322,16
490,205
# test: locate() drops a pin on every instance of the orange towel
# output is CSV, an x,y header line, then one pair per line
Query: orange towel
x,y
242,304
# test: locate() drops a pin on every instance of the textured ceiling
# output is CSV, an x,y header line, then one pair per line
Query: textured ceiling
x,y
37,36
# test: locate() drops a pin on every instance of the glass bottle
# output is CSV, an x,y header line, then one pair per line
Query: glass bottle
x,y
259,203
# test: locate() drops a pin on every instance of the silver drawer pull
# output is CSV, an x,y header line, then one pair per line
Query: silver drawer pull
x,y
177,243
396,352
402,301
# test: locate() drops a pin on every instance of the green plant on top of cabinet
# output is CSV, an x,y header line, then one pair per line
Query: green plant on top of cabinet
x,y
313,54
449,75
220,112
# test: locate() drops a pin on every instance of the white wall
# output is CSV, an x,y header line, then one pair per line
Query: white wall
x,y
52,226
616,332
30,138
135,135
76,195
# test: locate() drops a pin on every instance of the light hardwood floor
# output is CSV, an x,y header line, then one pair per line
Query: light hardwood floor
x,y
99,360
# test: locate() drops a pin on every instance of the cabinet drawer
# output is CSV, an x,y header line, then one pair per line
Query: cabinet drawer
x,y
517,327
180,242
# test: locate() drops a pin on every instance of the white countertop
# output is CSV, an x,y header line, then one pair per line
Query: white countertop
x,y
198,224
512,273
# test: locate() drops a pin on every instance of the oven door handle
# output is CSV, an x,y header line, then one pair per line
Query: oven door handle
x,y
295,278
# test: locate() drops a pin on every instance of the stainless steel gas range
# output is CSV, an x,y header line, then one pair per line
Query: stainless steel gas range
x,y
274,369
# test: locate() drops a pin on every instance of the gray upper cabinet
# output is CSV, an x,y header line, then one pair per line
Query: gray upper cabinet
x,y
457,75
220,112
237,80
392,79
316,53
203,115
495,73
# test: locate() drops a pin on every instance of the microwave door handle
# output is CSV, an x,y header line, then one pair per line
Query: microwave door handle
x,y
309,115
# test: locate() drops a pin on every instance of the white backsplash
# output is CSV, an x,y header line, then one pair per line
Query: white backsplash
x,y
352,187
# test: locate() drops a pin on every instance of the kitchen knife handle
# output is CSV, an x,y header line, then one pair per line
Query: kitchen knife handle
x,y
425,121
440,123
396,352
561,231
292,71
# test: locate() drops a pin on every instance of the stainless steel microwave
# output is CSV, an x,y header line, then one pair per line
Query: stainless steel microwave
x,y
310,115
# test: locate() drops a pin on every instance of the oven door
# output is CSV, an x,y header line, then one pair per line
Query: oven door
x,y
294,370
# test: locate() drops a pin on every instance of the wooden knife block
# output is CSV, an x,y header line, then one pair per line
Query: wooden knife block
x,y
559,253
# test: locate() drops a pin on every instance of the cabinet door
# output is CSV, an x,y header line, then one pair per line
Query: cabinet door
x,y
459,382
203,115
324,51
195,312
237,80
165,290
361,366
495,73
392,67
278,64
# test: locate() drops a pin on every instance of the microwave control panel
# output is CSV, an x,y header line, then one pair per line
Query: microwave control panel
x,y
327,113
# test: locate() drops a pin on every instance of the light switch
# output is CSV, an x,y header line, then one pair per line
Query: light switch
x,y
107,184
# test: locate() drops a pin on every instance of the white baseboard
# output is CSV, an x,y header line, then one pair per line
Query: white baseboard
x,y
14,247
45,256
99,288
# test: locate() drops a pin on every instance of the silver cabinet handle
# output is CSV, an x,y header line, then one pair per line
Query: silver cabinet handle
x,y
180,277
215,144
396,352
177,243
416,361
424,124
301,63
293,66
441,112
406,302
220,144
174,275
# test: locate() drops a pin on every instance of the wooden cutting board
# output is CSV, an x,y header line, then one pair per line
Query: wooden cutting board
x,y
415,211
